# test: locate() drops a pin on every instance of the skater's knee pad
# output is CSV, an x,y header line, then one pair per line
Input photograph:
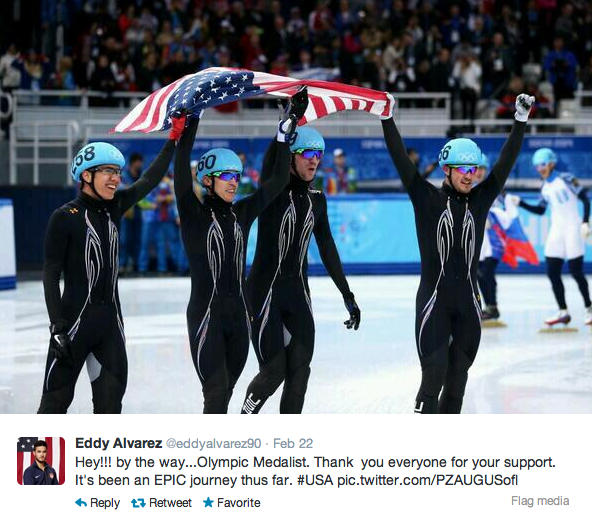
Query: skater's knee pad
x,y
217,383
297,382
57,401
110,406
462,358
432,378
454,386
273,372
107,394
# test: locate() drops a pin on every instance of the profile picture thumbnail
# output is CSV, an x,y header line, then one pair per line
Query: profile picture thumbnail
x,y
40,461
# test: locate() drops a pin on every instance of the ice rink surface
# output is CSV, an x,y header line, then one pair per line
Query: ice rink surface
x,y
373,370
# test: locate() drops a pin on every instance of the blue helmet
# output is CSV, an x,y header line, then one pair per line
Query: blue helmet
x,y
307,138
544,156
95,154
461,152
484,161
218,159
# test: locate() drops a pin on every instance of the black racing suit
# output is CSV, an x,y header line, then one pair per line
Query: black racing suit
x,y
215,234
283,326
450,227
82,241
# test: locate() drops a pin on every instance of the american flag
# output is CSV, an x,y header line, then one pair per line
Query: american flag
x,y
56,457
220,85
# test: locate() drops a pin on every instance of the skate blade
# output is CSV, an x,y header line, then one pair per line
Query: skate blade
x,y
564,329
493,324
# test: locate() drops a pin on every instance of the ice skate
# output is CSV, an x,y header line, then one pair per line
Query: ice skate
x,y
588,316
491,318
558,323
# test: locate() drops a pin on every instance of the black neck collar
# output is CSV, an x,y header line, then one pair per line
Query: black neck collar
x,y
217,204
297,184
451,192
93,203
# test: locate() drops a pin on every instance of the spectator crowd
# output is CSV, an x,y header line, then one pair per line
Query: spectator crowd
x,y
472,49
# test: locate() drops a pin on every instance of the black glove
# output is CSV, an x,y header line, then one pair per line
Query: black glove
x,y
354,312
59,343
299,103
294,110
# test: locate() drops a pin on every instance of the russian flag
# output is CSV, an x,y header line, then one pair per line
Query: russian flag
x,y
516,244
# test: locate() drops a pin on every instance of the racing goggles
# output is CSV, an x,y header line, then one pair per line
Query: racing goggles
x,y
227,176
466,170
109,170
310,153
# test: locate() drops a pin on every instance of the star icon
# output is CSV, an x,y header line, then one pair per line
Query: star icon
x,y
208,502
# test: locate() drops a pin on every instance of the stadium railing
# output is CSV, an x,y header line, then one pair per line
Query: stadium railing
x,y
63,149
7,104
58,130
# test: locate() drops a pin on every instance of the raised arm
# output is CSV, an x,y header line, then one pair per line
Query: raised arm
x,y
149,180
269,161
155,172
275,173
394,143
186,198
275,177
496,180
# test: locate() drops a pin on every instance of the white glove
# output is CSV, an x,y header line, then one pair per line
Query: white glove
x,y
512,200
524,104
286,127
391,99
585,229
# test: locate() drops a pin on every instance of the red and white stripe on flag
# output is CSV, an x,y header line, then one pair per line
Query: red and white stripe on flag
x,y
326,98
56,458
219,85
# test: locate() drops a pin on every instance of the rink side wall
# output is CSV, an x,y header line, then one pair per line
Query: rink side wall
x,y
374,233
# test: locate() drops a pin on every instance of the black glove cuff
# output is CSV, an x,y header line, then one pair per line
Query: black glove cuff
x,y
348,297
59,326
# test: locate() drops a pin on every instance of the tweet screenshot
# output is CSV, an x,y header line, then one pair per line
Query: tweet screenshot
x,y
349,467
278,261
